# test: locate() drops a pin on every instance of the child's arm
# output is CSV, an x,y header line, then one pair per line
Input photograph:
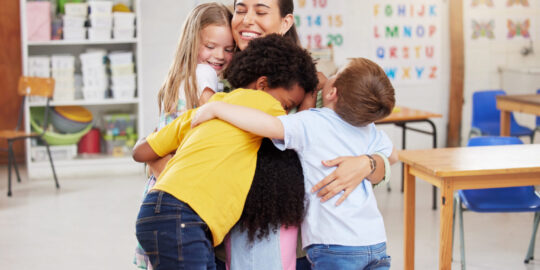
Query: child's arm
x,y
393,158
142,152
206,94
248,119
310,100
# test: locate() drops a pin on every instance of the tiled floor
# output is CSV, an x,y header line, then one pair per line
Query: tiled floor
x,y
89,224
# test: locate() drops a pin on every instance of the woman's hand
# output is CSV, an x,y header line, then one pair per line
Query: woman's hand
x,y
350,172
204,113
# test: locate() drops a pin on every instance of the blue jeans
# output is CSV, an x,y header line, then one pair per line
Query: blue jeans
x,y
302,263
173,235
333,257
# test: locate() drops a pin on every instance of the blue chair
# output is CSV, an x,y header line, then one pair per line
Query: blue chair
x,y
486,118
512,199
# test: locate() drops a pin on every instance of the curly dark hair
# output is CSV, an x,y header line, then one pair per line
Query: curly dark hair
x,y
276,197
276,57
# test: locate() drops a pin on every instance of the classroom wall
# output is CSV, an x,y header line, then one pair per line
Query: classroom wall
x,y
161,28
491,45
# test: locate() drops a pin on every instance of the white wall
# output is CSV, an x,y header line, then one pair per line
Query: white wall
x,y
484,56
161,25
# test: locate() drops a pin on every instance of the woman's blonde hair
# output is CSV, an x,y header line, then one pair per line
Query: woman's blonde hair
x,y
184,66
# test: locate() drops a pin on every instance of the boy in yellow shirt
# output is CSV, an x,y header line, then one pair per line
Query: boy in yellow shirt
x,y
197,200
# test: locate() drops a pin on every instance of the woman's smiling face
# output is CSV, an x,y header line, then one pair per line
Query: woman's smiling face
x,y
256,18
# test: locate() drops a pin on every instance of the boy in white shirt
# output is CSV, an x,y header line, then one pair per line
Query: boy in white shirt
x,y
352,235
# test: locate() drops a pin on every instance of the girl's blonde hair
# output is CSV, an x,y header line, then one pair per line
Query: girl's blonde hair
x,y
184,66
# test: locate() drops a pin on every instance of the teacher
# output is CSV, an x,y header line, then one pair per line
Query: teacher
x,y
257,18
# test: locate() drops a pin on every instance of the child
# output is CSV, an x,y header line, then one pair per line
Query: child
x,y
266,234
352,235
200,194
203,51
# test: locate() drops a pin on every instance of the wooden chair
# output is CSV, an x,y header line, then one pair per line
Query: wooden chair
x,y
29,86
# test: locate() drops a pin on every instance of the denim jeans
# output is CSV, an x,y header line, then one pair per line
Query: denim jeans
x,y
302,263
173,235
333,257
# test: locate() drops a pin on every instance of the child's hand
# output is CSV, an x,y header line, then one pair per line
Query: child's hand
x,y
204,113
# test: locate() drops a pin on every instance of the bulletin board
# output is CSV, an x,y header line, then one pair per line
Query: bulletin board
x,y
402,36
320,23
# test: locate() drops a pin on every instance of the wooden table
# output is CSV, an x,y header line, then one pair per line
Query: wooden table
x,y
400,116
518,103
451,169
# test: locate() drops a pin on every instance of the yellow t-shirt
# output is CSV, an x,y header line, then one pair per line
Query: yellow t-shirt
x,y
214,163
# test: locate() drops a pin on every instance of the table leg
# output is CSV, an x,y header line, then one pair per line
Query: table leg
x,y
434,135
447,209
409,217
505,123
403,142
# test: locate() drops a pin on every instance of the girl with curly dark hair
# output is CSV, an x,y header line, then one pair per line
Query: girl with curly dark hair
x,y
266,234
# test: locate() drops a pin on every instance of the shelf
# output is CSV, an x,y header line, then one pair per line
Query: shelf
x,y
81,42
82,102
89,160
86,167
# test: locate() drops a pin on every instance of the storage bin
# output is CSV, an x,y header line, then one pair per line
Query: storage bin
x,y
124,81
62,73
116,146
122,70
124,20
101,21
58,152
74,33
99,33
100,7
92,59
93,93
119,124
63,61
123,92
38,21
39,66
64,94
120,57
70,21
76,9
123,33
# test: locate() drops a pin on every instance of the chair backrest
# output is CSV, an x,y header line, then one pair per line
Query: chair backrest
x,y
493,140
484,107
36,86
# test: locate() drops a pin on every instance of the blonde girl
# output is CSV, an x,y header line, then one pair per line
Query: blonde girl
x,y
204,50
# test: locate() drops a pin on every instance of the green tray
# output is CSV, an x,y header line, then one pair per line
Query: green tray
x,y
53,138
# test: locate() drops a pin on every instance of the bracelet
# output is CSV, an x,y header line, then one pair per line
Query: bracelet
x,y
372,164
387,170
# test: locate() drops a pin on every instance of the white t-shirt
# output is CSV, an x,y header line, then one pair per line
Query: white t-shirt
x,y
206,78
320,134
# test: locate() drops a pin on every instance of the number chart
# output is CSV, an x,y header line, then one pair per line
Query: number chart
x,y
406,39
320,23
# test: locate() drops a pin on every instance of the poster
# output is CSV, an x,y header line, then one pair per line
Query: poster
x,y
320,23
406,40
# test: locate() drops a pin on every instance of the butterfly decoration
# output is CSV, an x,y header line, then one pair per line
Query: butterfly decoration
x,y
518,29
488,3
510,3
483,29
